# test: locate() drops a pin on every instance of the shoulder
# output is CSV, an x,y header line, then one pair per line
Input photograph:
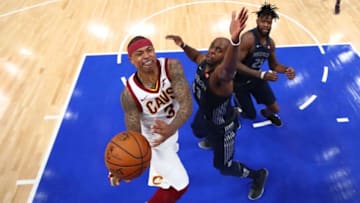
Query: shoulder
x,y
175,72
247,39
172,61
129,101
248,34
174,66
126,95
272,43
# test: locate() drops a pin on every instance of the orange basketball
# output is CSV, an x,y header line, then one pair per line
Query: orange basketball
x,y
127,155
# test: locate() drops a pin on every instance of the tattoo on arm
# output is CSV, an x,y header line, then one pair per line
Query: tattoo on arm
x,y
182,93
132,114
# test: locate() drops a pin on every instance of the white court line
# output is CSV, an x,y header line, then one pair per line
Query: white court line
x,y
262,124
123,80
325,74
28,8
122,44
308,102
53,138
342,120
25,182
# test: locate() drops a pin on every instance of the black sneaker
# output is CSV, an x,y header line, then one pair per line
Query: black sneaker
x,y
275,119
257,188
204,144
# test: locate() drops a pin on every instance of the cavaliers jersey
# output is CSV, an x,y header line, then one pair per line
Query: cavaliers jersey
x,y
256,57
158,103
166,168
217,109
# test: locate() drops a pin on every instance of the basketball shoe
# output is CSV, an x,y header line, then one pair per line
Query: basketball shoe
x,y
257,188
204,144
274,118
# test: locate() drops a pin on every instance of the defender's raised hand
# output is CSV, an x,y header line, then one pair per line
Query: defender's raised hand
x,y
177,39
238,23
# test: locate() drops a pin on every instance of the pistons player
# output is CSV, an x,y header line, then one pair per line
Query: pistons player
x,y
257,47
216,119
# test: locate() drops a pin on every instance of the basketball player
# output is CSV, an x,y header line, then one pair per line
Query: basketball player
x,y
256,47
157,101
213,89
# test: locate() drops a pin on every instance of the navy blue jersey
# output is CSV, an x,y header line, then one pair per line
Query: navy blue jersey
x,y
216,109
256,56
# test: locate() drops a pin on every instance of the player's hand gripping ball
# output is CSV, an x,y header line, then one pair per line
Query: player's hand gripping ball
x,y
127,155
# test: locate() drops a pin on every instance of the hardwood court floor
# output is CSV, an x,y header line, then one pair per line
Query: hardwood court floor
x,y
42,43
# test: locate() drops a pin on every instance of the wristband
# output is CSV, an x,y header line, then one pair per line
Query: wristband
x,y
262,74
183,45
235,44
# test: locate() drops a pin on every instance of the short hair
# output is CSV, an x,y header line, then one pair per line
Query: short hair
x,y
268,10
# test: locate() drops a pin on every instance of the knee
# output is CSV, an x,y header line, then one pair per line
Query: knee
x,y
226,171
222,169
236,169
198,130
218,166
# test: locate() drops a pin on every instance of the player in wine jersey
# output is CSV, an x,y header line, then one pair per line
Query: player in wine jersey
x,y
156,102
256,47
213,89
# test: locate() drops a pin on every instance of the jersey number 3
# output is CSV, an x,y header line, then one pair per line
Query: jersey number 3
x,y
170,111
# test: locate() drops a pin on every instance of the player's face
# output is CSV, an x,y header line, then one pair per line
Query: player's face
x,y
216,51
264,24
144,58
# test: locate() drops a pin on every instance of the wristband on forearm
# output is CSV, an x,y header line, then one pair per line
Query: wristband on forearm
x,y
262,74
183,45
235,44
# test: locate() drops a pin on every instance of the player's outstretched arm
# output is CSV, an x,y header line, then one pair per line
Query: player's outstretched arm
x,y
227,68
190,52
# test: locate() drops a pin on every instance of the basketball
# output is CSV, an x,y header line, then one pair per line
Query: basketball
x,y
127,155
